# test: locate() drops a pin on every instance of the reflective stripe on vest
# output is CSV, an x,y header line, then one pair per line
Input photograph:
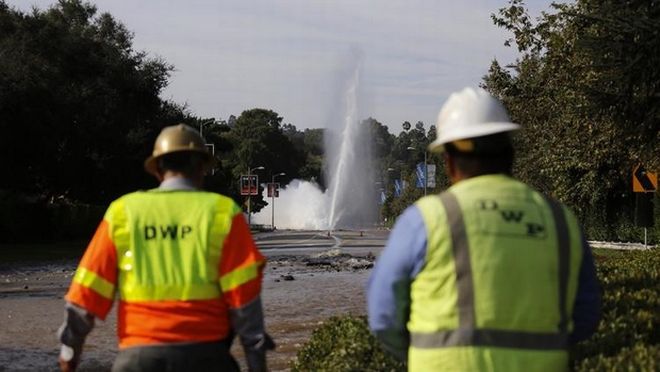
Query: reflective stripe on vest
x,y
564,259
89,279
240,276
169,244
467,334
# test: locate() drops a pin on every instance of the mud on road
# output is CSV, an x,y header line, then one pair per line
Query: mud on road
x,y
299,292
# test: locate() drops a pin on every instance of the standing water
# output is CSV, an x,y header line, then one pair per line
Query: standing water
x,y
350,200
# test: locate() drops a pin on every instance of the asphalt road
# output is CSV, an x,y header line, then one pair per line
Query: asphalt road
x,y
297,297
301,242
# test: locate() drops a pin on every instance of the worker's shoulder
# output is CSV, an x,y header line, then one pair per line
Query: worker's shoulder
x,y
426,211
128,198
120,201
222,203
223,199
137,200
202,195
117,208
428,201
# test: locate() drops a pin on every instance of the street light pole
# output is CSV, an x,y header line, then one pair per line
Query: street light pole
x,y
201,126
272,198
250,192
426,173
212,146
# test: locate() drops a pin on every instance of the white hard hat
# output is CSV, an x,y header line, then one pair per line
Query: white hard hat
x,y
470,113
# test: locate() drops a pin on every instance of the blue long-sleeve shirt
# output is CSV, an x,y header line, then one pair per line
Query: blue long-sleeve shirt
x,y
388,294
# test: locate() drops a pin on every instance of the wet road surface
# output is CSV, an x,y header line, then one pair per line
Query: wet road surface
x,y
310,276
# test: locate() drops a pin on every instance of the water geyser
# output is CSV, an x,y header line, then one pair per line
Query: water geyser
x,y
350,201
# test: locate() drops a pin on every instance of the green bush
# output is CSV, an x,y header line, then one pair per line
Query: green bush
x,y
616,222
24,219
22,216
640,357
71,221
344,344
627,338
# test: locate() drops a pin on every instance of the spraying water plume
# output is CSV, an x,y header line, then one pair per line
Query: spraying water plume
x,y
350,200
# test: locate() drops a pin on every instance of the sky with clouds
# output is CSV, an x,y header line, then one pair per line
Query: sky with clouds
x,y
291,55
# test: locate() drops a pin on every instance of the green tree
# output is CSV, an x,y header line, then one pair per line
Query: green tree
x,y
258,139
313,167
586,90
79,105
397,159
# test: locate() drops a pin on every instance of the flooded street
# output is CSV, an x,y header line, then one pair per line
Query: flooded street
x,y
309,278
294,308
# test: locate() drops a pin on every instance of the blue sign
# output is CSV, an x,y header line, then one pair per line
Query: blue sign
x,y
421,176
398,187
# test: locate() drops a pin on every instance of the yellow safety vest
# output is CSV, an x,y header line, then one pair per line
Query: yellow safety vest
x,y
497,290
176,242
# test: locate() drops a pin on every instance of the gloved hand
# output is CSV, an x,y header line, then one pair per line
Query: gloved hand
x,y
69,358
77,324
248,323
256,355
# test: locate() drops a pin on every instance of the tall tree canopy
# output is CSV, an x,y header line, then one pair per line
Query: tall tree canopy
x,y
78,105
586,89
258,139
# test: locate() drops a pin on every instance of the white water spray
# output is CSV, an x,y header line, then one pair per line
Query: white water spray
x,y
349,135
350,200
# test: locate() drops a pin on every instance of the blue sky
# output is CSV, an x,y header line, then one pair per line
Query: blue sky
x,y
288,55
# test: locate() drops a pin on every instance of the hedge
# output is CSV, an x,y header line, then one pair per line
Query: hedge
x,y
31,220
627,338
344,344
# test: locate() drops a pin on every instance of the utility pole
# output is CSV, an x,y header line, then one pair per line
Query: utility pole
x,y
272,198
202,124
426,173
210,145
250,193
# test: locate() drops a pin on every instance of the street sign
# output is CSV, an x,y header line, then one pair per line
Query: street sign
x,y
398,188
643,180
421,176
249,184
274,190
430,169
419,171
644,210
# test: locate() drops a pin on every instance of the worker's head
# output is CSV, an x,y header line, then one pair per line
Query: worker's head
x,y
179,151
473,134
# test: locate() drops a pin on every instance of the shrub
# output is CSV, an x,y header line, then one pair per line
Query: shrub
x,y
640,357
344,344
71,221
626,340
627,337
24,219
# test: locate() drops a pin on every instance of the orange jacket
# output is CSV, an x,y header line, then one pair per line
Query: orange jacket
x,y
134,253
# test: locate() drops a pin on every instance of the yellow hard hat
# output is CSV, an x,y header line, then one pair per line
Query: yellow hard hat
x,y
177,138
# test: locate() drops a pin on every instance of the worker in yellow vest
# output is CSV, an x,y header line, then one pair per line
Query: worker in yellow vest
x,y
183,265
489,275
